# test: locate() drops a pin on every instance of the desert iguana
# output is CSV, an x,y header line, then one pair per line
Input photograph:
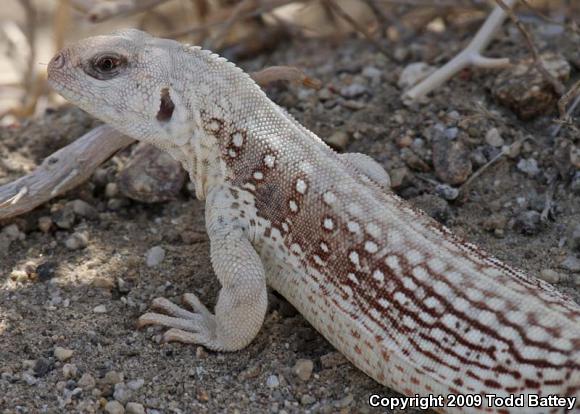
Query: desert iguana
x,y
413,306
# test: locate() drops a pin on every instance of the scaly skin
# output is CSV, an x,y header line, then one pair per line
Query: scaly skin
x,y
413,306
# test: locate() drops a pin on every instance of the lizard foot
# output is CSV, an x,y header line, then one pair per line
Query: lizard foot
x,y
197,327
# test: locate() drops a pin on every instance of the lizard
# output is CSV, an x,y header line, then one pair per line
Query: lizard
x,y
415,307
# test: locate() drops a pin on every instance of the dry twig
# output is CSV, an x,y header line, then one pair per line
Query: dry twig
x,y
99,11
556,84
470,56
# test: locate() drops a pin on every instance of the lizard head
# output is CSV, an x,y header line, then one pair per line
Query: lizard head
x,y
124,79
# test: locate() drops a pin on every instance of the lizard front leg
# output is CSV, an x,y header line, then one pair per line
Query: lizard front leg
x,y
243,298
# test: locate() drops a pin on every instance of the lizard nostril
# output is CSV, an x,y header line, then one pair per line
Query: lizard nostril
x,y
57,61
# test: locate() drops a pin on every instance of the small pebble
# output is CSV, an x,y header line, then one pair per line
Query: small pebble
x,y
571,263
339,139
272,381
332,359
202,395
87,381
122,393
354,90
113,377
114,407
493,138
70,371
77,241
111,190
62,354
528,222
84,209
528,166
307,399
574,240
551,276
155,256
447,192
136,384
134,408
303,369
45,224
345,402
100,309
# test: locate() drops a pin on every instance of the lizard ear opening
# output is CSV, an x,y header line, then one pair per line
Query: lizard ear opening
x,y
166,106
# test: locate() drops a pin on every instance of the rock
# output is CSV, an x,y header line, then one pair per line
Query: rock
x,y
529,166
151,176
122,393
338,140
111,190
70,371
345,402
114,407
354,90
575,156
62,354
113,377
332,359
272,381
64,217
45,224
87,381
134,408
155,256
493,138
524,90
202,395
413,160
571,263
77,240
248,373
574,240
400,177
528,222
434,206
100,309
303,369
136,384
83,209
551,276
46,271
450,160
447,192
575,184
307,399
413,74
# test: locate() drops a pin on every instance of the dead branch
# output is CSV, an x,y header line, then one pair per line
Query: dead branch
x,y
573,95
99,11
73,164
63,170
538,62
470,56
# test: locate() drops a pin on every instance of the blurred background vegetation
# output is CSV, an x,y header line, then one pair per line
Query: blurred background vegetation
x,y
32,30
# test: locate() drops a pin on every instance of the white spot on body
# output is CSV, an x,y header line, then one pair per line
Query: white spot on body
x,y
328,223
258,175
301,186
295,248
374,230
324,247
293,206
353,256
353,278
232,153
238,139
270,161
378,276
353,227
329,198
371,247
414,257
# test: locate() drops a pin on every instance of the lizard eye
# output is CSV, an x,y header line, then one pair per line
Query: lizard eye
x,y
106,66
